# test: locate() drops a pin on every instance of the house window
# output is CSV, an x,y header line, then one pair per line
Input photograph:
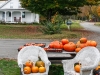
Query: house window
x,y
3,14
23,15
9,14
11,5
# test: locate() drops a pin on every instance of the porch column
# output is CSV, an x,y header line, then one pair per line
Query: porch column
x,y
5,16
21,16
11,16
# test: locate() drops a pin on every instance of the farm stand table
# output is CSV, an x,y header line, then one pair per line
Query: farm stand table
x,y
57,57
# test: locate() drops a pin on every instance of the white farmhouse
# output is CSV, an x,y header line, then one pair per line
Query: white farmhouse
x,y
12,12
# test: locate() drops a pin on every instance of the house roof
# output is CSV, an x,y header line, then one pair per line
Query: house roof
x,y
4,3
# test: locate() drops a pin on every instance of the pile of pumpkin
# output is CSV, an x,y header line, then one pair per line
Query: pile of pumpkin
x,y
77,67
31,67
68,46
32,44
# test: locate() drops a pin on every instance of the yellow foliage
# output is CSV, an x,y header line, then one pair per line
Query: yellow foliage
x,y
98,10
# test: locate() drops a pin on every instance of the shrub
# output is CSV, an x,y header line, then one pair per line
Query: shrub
x,y
51,28
56,70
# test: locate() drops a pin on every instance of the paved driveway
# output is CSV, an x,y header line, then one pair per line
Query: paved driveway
x,y
8,47
90,26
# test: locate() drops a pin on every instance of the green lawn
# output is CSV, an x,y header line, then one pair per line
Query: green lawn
x,y
97,23
32,32
9,67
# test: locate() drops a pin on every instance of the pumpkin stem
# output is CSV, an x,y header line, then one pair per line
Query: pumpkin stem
x,y
79,63
29,60
39,58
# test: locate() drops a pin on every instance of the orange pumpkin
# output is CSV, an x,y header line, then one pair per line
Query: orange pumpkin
x,y
98,67
45,49
78,49
42,69
29,44
77,68
51,45
88,42
35,69
58,45
81,45
29,63
78,42
27,70
64,41
70,47
21,47
91,43
83,40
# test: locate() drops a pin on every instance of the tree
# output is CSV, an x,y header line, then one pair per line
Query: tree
x,y
91,4
48,8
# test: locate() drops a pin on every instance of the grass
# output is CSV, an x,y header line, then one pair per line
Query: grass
x,y
32,32
10,67
97,23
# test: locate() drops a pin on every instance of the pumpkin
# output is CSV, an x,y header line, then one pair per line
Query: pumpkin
x,y
78,42
77,67
88,42
58,45
42,69
29,63
39,63
27,70
21,47
70,47
78,49
29,44
91,43
51,45
98,67
64,41
81,45
45,49
35,69
83,40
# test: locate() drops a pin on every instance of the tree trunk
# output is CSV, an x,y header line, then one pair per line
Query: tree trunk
x,y
49,15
